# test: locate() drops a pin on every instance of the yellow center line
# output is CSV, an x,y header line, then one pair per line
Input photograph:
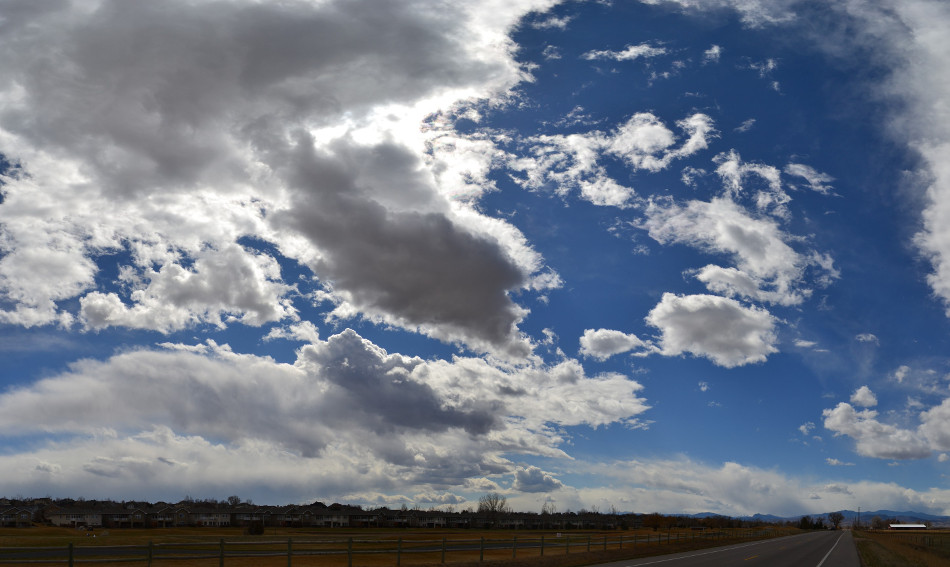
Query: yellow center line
x,y
753,557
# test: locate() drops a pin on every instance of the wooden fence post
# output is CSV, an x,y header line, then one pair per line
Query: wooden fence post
x,y
70,555
398,551
443,549
542,546
481,550
221,552
514,547
148,554
349,553
290,551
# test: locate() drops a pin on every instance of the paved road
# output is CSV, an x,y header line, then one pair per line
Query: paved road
x,y
817,549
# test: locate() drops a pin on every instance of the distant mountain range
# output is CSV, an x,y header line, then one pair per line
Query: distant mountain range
x,y
850,517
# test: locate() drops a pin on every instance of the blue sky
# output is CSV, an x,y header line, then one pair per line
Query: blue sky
x,y
667,256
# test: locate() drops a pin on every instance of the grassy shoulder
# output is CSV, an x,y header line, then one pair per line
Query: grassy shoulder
x,y
885,549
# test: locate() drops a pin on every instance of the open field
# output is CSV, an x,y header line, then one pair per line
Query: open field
x,y
929,548
207,547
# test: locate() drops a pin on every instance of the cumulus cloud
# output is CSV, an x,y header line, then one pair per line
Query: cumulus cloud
x,y
344,395
935,426
767,268
718,328
837,463
864,397
268,134
533,479
872,437
604,343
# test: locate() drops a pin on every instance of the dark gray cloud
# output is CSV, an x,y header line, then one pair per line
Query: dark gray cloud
x,y
417,266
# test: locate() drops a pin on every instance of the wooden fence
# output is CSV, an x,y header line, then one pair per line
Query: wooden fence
x,y
350,551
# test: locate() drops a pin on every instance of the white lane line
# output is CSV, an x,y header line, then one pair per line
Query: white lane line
x,y
830,550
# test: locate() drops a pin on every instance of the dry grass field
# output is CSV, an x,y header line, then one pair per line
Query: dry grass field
x,y
368,547
917,549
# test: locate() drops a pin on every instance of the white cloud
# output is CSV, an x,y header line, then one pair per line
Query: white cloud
x,y
901,373
533,479
745,126
733,171
243,286
864,397
629,53
604,343
572,162
837,463
806,428
753,13
551,52
817,181
681,485
718,328
712,54
873,438
343,400
867,338
552,22
304,331
935,426
768,269
704,386
268,134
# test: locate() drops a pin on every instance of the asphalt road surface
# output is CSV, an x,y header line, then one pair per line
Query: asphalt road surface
x,y
817,549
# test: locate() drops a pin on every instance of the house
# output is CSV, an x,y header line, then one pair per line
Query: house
x,y
124,517
13,517
74,517
209,517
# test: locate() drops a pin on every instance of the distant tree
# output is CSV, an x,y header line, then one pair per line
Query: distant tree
x,y
878,523
653,520
234,500
492,505
836,518
806,523
549,507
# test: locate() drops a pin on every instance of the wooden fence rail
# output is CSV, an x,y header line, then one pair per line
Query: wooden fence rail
x,y
222,550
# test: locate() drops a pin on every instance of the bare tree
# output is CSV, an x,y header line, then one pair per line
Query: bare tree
x,y
835,518
492,505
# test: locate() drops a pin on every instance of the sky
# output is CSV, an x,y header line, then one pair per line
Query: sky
x,y
672,256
